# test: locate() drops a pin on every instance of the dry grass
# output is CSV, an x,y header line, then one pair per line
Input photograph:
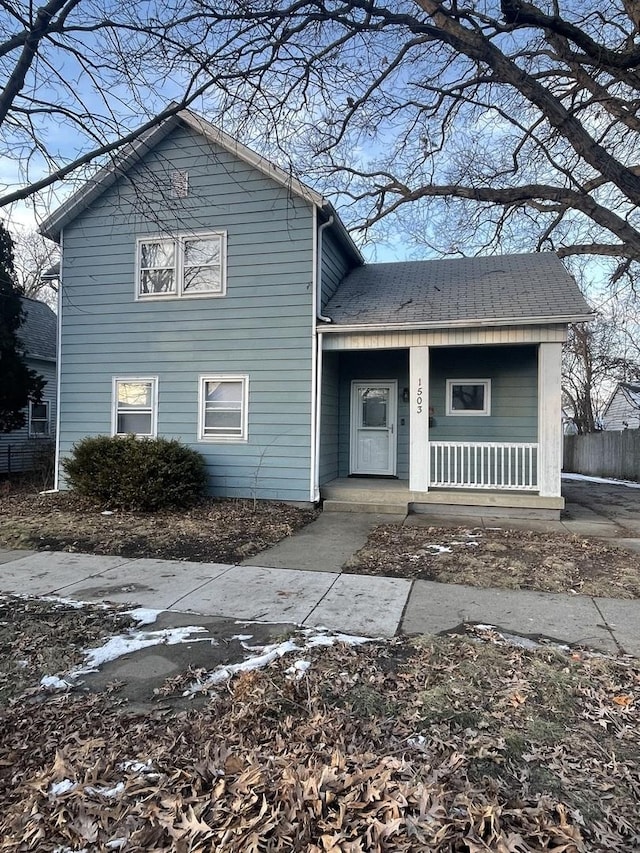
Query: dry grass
x,y
508,559
225,531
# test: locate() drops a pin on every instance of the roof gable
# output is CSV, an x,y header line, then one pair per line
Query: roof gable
x,y
502,289
628,392
135,153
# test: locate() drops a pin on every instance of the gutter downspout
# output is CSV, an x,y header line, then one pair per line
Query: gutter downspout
x,y
317,354
56,475
319,272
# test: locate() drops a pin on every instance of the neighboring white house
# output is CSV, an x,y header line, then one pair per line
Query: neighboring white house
x,y
623,409
20,448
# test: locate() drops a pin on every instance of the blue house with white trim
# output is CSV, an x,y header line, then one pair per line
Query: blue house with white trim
x,y
207,295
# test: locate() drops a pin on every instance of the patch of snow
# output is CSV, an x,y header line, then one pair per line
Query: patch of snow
x,y
116,844
440,549
351,640
71,602
242,637
62,787
269,654
319,640
52,682
520,641
417,740
630,484
49,492
103,791
133,641
136,766
297,670
107,512
144,615
311,638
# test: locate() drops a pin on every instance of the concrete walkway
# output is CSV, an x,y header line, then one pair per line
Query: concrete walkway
x,y
300,581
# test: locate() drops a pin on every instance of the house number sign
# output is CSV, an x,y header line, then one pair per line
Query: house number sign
x,y
419,393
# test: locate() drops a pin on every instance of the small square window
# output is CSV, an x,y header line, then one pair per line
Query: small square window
x,y
135,406
468,397
223,408
39,425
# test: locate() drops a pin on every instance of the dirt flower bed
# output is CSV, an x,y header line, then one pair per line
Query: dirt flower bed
x,y
511,559
225,531
464,743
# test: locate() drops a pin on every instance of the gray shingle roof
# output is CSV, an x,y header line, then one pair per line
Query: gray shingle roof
x,y
521,288
38,331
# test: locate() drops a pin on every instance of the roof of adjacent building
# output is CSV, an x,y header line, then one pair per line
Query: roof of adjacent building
x,y
523,288
629,391
38,331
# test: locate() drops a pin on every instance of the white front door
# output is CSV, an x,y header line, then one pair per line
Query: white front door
x,y
373,427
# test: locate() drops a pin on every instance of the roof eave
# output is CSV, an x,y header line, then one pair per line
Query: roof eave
x,y
559,319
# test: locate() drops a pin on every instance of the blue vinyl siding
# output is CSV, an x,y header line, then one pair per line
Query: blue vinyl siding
x,y
513,371
261,328
335,265
330,418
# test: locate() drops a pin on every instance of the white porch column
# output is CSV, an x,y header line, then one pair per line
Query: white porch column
x,y
419,419
549,419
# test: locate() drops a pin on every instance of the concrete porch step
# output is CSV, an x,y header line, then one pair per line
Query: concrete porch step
x,y
386,508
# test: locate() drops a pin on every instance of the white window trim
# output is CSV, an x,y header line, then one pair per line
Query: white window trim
x,y
178,241
46,434
154,404
468,413
224,377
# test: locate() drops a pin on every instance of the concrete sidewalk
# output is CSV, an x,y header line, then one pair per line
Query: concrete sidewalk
x,y
370,606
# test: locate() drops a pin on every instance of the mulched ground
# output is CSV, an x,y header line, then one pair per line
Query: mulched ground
x,y
446,744
223,531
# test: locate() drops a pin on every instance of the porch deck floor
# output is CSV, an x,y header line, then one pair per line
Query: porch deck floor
x,y
380,491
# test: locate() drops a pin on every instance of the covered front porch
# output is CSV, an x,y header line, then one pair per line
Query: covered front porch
x,y
467,426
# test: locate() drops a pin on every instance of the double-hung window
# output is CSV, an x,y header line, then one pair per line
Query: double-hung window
x,y
39,419
135,406
223,408
468,396
183,266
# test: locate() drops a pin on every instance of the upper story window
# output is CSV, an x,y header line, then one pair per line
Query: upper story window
x,y
468,396
39,424
182,266
135,406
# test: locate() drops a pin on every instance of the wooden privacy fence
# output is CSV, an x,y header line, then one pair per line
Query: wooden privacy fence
x,y
604,454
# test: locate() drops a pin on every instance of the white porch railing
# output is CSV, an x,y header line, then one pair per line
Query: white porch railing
x,y
483,465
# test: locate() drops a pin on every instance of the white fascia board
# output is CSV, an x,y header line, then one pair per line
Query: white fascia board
x,y
335,328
